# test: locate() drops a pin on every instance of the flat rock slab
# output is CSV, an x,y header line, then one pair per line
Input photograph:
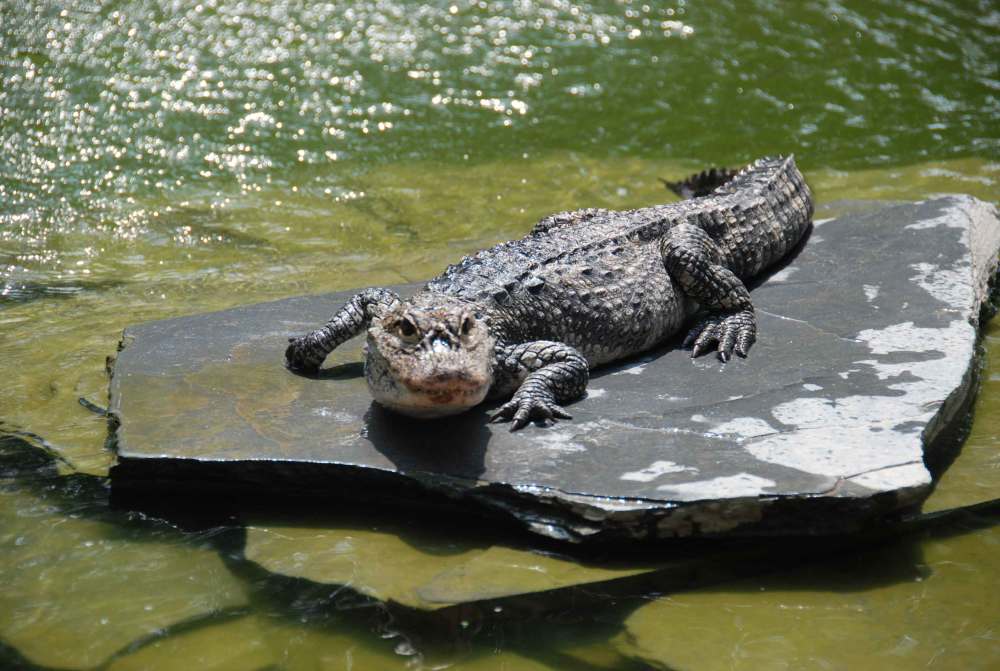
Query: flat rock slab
x,y
866,355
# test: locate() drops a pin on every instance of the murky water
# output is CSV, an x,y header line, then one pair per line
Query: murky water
x,y
162,158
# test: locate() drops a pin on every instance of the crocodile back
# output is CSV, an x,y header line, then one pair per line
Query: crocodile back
x,y
600,284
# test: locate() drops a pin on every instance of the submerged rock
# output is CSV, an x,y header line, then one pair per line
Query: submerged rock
x,y
845,611
262,642
867,354
81,585
430,574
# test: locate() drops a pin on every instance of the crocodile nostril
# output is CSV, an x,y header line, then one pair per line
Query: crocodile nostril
x,y
440,341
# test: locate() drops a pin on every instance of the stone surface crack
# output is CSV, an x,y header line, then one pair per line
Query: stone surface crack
x,y
739,399
884,468
809,325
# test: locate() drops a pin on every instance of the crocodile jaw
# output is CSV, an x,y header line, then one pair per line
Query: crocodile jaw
x,y
435,387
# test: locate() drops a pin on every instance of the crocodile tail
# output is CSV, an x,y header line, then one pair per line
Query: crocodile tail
x,y
702,183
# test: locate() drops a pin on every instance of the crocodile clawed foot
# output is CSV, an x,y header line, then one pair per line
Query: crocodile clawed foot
x,y
734,331
301,355
520,411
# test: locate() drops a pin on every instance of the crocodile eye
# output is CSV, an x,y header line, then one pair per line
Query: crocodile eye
x,y
406,328
467,325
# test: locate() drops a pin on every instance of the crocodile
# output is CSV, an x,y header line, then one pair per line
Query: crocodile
x,y
528,319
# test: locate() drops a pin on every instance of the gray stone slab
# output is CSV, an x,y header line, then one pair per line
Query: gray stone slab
x,y
867,353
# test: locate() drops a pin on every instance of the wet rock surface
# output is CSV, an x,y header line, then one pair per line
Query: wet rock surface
x,y
866,355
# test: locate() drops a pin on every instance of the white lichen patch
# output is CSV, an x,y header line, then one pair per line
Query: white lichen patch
x,y
596,393
741,485
560,441
871,292
813,412
907,337
812,387
951,219
859,434
950,286
656,470
744,428
838,451
339,416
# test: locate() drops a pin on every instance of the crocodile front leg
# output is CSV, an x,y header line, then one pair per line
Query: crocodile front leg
x,y
306,353
694,261
549,373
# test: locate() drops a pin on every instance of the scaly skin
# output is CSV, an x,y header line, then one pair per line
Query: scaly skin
x,y
530,317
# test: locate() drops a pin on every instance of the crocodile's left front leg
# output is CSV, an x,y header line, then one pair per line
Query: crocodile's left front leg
x,y
549,374
306,353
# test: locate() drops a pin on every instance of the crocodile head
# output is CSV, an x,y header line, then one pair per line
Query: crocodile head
x,y
431,356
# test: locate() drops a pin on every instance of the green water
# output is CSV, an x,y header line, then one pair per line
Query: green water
x,y
164,158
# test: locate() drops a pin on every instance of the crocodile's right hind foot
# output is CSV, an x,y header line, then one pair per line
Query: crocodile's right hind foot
x,y
700,184
735,331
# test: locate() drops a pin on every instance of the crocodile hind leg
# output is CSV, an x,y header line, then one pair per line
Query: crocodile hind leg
x,y
694,261
306,353
549,373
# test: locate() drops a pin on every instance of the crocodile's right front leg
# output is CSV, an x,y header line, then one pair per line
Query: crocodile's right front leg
x,y
306,353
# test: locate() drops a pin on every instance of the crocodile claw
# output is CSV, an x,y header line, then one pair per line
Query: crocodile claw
x,y
300,356
730,332
520,411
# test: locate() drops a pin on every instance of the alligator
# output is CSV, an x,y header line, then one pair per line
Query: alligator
x,y
528,318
